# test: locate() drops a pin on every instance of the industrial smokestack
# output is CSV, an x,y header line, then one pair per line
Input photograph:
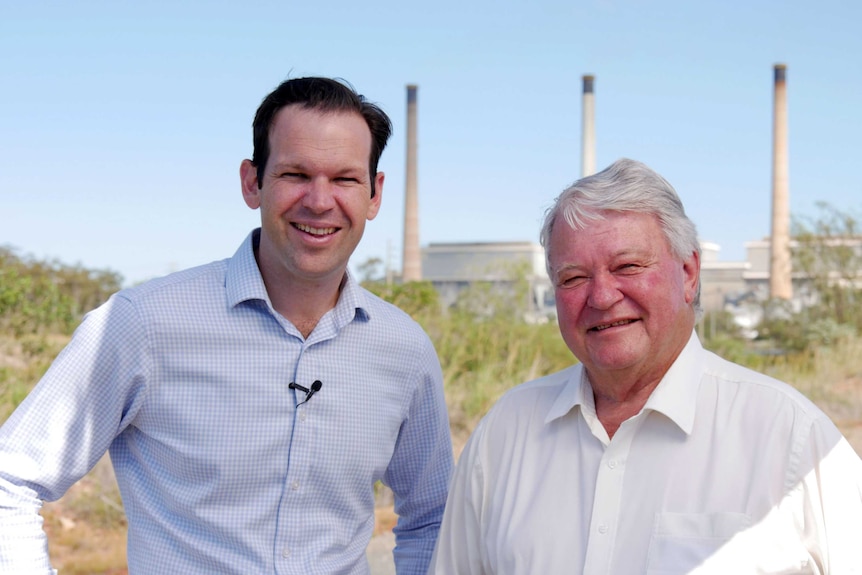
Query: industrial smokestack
x,y
411,266
780,285
588,125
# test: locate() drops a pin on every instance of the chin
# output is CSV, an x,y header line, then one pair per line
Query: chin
x,y
615,361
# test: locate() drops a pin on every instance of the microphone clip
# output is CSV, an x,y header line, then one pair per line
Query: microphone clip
x,y
315,387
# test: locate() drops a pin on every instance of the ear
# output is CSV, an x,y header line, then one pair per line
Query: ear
x,y
248,179
691,276
374,206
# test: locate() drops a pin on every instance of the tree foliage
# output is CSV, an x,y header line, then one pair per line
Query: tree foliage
x,y
484,344
829,256
827,269
47,296
416,298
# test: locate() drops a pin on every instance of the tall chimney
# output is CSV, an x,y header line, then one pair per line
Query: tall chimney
x,y
780,285
411,266
588,125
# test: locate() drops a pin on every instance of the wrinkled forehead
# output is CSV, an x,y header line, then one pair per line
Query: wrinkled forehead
x,y
607,230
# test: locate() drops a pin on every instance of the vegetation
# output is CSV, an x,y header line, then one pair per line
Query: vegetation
x,y
38,297
827,267
484,343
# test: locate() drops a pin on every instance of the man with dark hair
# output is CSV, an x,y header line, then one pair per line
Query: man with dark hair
x,y
250,405
651,455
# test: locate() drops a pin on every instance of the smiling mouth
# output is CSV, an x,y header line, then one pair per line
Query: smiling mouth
x,y
315,231
614,324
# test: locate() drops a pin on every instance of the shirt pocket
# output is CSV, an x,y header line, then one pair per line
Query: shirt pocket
x,y
682,542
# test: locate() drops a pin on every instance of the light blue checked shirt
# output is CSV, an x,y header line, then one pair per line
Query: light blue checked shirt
x,y
185,381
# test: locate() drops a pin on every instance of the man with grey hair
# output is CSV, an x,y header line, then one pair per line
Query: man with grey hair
x,y
651,455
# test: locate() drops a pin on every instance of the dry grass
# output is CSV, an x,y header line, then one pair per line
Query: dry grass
x,y
828,375
87,529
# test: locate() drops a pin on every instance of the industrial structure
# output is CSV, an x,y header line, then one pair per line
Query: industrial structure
x,y
411,266
588,128
453,267
780,285
737,287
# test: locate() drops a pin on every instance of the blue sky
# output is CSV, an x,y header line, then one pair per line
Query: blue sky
x,y
123,124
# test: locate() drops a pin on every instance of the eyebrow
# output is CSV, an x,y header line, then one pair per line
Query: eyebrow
x,y
623,253
299,166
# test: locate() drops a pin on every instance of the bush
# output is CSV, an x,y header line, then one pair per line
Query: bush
x,y
48,297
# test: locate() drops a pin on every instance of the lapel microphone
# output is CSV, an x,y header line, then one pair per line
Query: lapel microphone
x,y
315,387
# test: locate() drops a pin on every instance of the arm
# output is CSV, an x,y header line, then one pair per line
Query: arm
x,y
420,470
459,546
832,500
63,428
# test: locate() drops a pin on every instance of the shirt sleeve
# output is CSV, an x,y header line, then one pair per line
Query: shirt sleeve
x,y
420,469
64,426
459,545
832,500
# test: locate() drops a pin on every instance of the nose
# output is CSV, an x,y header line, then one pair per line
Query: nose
x,y
318,196
604,291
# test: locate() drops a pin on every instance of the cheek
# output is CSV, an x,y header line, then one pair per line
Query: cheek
x,y
569,304
662,293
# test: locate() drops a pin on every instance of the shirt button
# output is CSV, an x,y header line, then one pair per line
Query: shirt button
x,y
612,463
285,552
302,416
603,529
294,485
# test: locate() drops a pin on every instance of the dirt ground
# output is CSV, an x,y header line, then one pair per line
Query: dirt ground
x,y
845,409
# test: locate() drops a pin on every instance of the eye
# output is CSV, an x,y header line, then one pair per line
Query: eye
x,y
570,280
293,176
347,180
628,268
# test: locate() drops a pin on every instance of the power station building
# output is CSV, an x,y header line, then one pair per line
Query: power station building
x,y
737,287
453,268
504,267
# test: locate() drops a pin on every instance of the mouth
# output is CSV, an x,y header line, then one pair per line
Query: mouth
x,y
314,231
605,326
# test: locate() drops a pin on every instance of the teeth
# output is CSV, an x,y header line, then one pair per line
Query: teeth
x,y
616,323
315,231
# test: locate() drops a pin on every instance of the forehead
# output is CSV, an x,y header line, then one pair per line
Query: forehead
x,y
616,232
297,126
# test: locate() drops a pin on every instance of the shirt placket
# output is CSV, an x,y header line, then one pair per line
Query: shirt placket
x,y
607,501
295,494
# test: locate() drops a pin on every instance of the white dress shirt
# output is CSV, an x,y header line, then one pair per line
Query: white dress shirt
x,y
724,471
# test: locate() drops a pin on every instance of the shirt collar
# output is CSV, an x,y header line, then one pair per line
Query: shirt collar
x,y
675,396
572,394
243,282
352,302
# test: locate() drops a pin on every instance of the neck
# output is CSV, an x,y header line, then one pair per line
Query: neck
x,y
303,306
300,302
616,403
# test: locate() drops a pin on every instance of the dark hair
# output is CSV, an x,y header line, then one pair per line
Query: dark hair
x,y
325,95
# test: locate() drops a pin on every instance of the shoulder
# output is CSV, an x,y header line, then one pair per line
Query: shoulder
x,y
758,389
377,305
529,405
763,410
516,429
540,390
191,284
390,321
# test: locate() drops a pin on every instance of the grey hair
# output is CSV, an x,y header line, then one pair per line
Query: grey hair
x,y
624,186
